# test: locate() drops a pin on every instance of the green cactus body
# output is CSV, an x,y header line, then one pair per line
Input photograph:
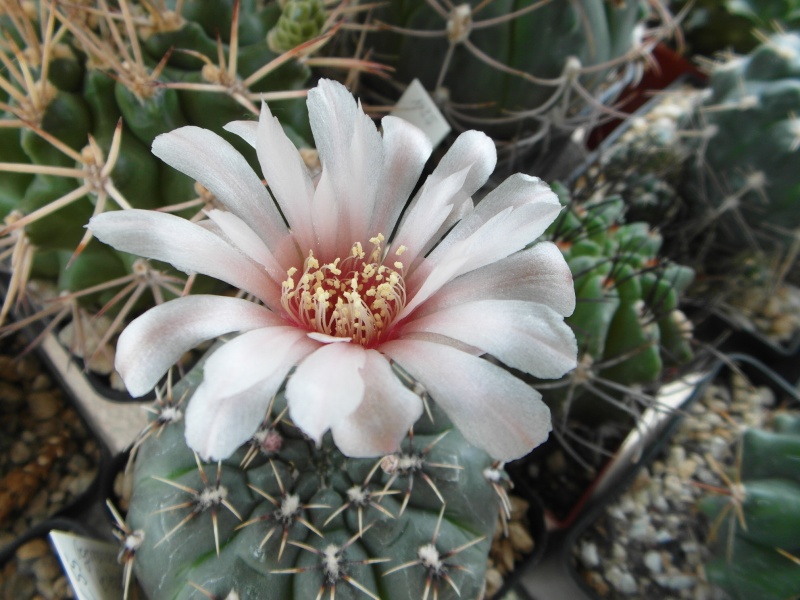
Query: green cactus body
x,y
754,558
626,319
751,159
531,49
312,518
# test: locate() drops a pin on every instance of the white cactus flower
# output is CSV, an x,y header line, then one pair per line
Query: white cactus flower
x,y
349,276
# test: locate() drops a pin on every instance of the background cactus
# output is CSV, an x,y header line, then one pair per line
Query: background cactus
x,y
627,320
712,25
282,518
758,519
746,179
84,91
519,71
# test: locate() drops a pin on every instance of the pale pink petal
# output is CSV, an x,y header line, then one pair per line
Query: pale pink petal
x,y
419,226
211,160
186,246
216,426
405,151
537,274
326,387
153,342
287,176
486,235
472,150
325,215
239,234
491,408
517,191
239,379
383,418
526,336
351,149
247,130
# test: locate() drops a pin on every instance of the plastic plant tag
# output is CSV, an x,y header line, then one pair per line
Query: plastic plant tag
x,y
418,108
91,566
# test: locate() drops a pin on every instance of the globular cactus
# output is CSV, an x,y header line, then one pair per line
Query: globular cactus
x,y
757,521
282,518
746,179
519,71
84,91
627,318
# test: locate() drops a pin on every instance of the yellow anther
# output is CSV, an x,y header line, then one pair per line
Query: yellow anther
x,y
400,250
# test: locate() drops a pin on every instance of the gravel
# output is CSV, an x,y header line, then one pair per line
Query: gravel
x,y
47,460
650,542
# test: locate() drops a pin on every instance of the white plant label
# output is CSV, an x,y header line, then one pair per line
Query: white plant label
x,y
90,565
418,108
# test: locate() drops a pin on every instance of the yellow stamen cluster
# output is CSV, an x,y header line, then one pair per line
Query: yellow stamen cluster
x,y
357,297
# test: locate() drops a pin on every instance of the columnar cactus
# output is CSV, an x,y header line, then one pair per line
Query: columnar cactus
x,y
284,518
627,319
759,541
519,70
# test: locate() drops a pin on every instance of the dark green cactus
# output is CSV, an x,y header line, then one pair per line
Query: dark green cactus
x,y
759,557
627,320
517,70
293,520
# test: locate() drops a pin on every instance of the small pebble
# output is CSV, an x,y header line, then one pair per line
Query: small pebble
x,y
33,549
652,560
621,581
589,556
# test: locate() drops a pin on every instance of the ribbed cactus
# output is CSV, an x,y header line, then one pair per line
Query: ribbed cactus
x,y
759,541
87,87
517,70
748,174
282,518
627,319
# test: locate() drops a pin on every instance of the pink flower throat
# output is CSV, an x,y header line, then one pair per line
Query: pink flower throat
x,y
357,297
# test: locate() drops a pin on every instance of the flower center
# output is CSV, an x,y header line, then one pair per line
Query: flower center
x,y
357,297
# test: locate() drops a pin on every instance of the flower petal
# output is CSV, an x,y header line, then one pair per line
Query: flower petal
x,y
534,205
153,342
351,149
326,387
514,215
247,130
238,381
526,336
537,274
492,409
472,150
239,235
436,204
287,176
211,160
186,246
383,418
406,149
